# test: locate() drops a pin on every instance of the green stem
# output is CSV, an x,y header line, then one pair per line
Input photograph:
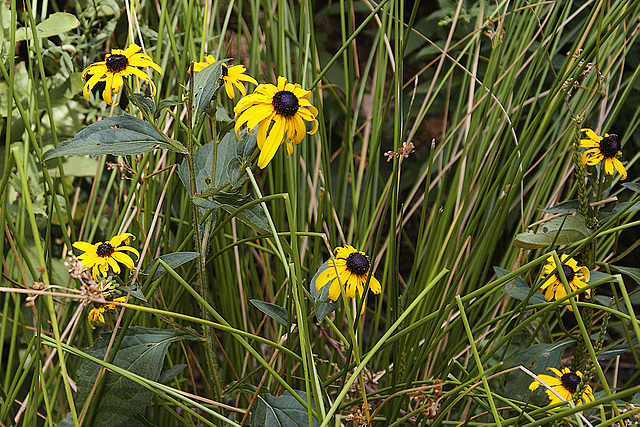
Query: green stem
x,y
210,356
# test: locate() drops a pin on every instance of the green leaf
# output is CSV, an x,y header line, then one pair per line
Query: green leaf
x,y
146,103
56,23
165,103
205,86
617,350
634,273
605,216
277,313
174,260
633,186
596,276
253,215
523,292
66,422
233,153
520,289
313,290
141,352
559,231
171,373
323,309
121,136
281,411
323,305
134,291
536,358
563,208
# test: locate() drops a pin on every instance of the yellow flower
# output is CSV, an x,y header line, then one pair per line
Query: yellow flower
x,y
100,256
108,290
117,65
279,112
353,267
565,383
600,148
232,76
577,277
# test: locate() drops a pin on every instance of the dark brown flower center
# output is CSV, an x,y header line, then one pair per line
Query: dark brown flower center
x,y
116,63
225,71
358,264
104,250
285,103
568,272
570,382
610,146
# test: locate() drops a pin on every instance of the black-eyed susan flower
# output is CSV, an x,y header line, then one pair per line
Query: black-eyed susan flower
x,y
117,65
280,113
565,383
606,147
108,291
353,268
232,76
577,277
99,257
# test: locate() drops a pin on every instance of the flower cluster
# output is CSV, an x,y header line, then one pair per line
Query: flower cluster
x,y
279,111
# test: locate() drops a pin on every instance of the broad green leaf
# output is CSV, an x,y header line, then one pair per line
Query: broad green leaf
x,y
121,136
233,153
171,373
536,358
522,293
203,161
563,208
253,216
520,289
66,422
617,350
315,293
134,291
274,311
141,352
557,231
323,309
146,103
633,273
605,216
174,260
205,86
56,23
165,103
633,186
596,276
323,305
281,411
